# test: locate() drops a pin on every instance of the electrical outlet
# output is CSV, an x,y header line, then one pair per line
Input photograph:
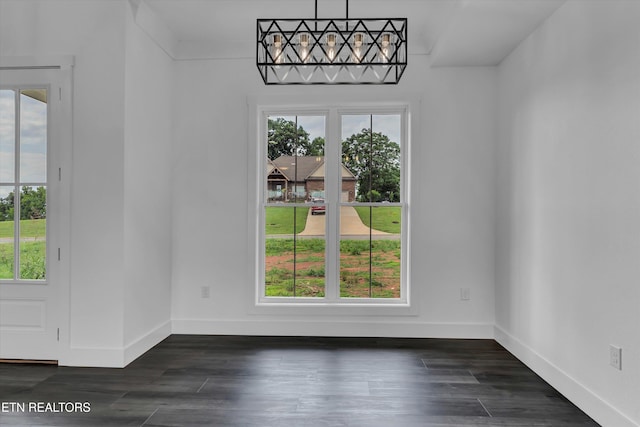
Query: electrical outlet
x,y
465,294
205,292
615,357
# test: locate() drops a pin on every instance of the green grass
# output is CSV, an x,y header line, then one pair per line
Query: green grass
x,y
32,254
6,260
32,260
354,264
28,228
387,218
303,246
279,283
356,247
279,220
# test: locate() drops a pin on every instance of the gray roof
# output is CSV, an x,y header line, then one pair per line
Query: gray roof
x,y
300,166
304,167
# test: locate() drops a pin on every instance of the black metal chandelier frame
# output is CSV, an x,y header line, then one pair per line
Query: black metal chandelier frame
x,y
331,51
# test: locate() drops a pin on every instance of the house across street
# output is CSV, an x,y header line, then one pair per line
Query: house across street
x,y
302,178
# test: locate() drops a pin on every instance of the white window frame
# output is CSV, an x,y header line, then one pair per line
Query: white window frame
x,y
332,301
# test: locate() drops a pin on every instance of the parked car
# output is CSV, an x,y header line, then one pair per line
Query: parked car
x,y
317,209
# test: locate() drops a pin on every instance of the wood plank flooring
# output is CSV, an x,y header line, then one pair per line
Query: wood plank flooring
x,y
296,382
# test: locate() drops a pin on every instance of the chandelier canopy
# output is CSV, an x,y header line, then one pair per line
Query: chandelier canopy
x,y
332,51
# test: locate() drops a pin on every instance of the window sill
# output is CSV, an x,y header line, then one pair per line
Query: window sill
x,y
324,308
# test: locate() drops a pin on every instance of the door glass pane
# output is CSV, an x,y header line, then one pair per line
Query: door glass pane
x,y
294,252
33,136
33,232
7,136
6,233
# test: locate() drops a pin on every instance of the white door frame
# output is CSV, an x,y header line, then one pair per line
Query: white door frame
x,y
57,73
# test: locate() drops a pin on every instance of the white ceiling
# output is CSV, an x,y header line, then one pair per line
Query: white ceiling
x,y
454,32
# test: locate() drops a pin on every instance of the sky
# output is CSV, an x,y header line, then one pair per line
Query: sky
x,y
33,140
352,124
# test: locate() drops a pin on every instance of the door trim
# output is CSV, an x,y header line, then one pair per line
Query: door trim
x,y
61,87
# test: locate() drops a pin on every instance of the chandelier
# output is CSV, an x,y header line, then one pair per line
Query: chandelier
x,y
332,51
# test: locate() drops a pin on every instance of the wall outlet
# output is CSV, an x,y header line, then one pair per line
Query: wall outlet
x,y
205,292
615,357
465,294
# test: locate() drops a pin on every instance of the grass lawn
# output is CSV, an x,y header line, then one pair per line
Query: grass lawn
x,y
32,254
279,220
28,228
384,218
309,268
32,260
6,260
355,281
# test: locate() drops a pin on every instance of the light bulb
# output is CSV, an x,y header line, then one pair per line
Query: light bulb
x,y
304,39
277,48
385,51
358,39
386,39
331,54
384,54
331,43
357,54
331,39
304,44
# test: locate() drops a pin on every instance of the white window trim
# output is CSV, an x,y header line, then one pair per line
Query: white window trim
x,y
330,305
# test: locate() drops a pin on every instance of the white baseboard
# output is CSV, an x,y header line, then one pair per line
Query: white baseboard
x,y
140,346
337,329
114,357
87,357
589,402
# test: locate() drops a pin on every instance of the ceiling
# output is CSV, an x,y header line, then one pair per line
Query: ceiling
x,y
453,32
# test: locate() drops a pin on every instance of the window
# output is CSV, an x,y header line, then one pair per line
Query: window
x,y
333,207
23,184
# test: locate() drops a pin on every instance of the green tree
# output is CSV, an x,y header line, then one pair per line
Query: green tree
x,y
6,207
316,148
285,141
375,161
33,203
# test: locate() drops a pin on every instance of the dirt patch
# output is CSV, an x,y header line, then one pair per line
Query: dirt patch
x,y
354,272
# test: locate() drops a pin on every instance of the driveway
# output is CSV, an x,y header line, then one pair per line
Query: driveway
x,y
350,225
22,239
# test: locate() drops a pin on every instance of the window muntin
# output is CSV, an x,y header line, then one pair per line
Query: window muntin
x,y
366,267
23,184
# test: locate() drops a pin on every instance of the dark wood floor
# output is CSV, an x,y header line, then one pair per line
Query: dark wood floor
x,y
282,382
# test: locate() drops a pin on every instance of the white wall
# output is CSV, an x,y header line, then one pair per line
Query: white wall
x,y
569,203
120,216
147,191
34,28
567,189
452,210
